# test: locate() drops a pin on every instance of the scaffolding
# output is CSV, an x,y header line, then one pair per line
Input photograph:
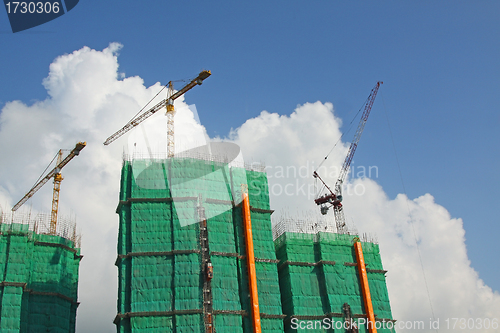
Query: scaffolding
x,y
39,223
319,279
39,272
309,223
178,215
182,261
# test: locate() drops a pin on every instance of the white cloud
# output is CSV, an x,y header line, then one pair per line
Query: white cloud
x,y
293,144
455,289
89,100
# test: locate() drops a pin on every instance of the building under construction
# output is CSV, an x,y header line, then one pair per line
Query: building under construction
x,y
320,277
182,252
184,257
39,269
39,262
196,251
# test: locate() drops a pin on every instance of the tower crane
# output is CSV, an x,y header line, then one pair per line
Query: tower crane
x,y
169,104
334,199
56,174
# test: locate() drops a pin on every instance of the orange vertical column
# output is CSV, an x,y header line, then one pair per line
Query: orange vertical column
x,y
252,278
364,287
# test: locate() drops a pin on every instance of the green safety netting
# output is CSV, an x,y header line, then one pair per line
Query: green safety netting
x,y
159,247
39,287
318,275
160,255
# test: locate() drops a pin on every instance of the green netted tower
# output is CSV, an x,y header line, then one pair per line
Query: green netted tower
x,y
176,215
319,279
39,287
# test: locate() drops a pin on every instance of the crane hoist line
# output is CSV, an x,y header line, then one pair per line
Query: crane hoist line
x,y
169,104
56,174
334,198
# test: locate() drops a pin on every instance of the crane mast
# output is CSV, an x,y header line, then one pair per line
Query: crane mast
x,y
170,121
56,174
335,199
169,104
55,195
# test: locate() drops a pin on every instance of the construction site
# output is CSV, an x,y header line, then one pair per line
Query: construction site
x,y
226,273
39,262
197,251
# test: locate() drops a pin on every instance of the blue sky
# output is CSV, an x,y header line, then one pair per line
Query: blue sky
x,y
438,60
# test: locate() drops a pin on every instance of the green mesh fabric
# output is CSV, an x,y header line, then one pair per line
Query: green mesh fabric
x,y
225,284
160,256
314,291
39,286
230,323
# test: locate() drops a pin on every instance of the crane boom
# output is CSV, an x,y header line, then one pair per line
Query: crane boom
x,y
335,199
136,121
75,152
168,102
357,136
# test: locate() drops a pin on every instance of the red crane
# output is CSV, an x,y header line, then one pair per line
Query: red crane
x,y
335,199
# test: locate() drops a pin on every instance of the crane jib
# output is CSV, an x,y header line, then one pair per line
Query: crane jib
x,y
136,121
327,201
75,152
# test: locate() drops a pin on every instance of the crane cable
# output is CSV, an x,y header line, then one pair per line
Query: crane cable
x,y
335,145
135,116
347,132
409,213
48,166
164,86
146,104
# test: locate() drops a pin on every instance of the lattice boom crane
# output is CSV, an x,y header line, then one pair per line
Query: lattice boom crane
x,y
335,199
56,174
169,104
